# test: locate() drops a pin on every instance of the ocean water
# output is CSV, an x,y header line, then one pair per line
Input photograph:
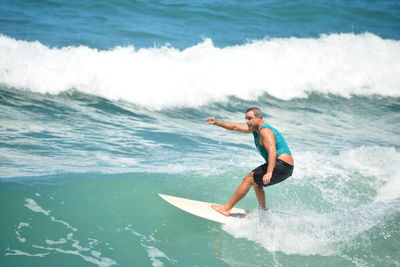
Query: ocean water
x,y
102,106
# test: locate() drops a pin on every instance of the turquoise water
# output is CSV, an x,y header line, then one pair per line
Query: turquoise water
x,y
102,106
184,23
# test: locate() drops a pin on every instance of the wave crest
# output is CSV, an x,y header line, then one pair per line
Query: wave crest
x,y
159,77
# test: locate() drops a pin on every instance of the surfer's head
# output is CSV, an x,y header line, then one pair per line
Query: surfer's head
x,y
253,117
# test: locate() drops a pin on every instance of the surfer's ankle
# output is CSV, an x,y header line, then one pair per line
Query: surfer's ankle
x,y
221,209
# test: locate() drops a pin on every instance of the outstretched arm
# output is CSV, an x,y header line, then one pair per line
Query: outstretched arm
x,y
231,126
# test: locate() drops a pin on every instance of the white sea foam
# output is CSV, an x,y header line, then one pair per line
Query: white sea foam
x,y
373,167
342,64
32,205
96,259
307,234
77,249
379,162
154,253
14,252
351,192
65,223
18,232
52,242
300,235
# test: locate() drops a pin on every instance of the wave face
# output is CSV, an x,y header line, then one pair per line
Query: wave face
x,y
161,77
74,154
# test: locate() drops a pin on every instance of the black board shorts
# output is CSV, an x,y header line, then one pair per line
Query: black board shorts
x,y
281,172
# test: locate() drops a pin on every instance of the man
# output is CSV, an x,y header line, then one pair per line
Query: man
x,y
272,147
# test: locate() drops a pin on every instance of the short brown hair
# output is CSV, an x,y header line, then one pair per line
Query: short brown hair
x,y
256,111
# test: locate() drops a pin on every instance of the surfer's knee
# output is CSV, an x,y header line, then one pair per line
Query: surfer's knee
x,y
257,187
248,179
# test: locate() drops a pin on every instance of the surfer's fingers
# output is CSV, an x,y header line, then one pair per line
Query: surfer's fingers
x,y
210,120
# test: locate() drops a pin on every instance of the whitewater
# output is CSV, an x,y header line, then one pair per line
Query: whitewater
x,y
161,77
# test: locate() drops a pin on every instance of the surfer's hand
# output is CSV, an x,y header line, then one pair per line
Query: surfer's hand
x,y
212,120
267,178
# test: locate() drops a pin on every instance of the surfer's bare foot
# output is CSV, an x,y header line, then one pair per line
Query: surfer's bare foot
x,y
221,209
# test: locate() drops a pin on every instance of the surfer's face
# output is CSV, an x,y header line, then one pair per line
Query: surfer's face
x,y
251,120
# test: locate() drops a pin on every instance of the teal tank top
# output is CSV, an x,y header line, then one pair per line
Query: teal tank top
x,y
281,145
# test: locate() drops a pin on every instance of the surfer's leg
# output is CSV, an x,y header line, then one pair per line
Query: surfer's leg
x,y
239,193
260,194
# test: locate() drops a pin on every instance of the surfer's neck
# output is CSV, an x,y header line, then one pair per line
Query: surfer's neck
x,y
261,123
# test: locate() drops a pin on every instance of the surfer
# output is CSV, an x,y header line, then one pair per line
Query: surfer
x,y
272,147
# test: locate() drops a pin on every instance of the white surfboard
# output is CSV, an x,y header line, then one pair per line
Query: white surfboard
x,y
203,209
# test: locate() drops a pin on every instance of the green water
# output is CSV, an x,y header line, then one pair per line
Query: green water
x,y
108,219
